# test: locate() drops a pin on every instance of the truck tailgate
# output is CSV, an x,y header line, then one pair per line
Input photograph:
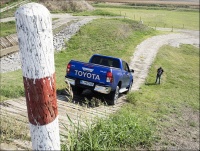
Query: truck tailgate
x,y
88,72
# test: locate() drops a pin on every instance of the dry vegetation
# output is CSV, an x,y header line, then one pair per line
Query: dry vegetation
x,y
70,5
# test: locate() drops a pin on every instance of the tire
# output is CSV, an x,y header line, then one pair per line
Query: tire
x,y
77,90
129,88
114,95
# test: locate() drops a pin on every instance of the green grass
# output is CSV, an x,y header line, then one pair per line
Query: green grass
x,y
11,85
96,12
124,130
8,13
159,18
119,40
7,28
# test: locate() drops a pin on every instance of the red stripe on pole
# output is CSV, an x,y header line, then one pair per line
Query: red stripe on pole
x,y
41,100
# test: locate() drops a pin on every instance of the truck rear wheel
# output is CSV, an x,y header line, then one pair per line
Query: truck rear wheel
x,y
114,95
77,90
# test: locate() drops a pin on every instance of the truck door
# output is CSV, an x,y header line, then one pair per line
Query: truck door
x,y
126,74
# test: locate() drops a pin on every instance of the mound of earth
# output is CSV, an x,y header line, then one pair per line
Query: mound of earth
x,y
67,5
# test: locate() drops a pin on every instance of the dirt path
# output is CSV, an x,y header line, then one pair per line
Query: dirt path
x,y
141,62
13,5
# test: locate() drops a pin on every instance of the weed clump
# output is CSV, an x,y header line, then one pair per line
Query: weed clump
x,y
123,130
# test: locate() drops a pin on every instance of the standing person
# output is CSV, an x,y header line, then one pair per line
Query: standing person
x,y
159,73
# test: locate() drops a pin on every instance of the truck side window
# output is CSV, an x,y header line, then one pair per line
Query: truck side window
x,y
125,66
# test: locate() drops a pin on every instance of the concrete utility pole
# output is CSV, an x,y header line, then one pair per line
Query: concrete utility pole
x,y
34,30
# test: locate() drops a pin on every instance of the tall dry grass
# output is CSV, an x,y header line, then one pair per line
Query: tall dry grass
x,y
67,6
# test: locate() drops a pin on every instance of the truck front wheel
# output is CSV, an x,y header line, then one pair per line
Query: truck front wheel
x,y
129,88
114,95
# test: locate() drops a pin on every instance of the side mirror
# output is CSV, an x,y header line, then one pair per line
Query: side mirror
x,y
132,70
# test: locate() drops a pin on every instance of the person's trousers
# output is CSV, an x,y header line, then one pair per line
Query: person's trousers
x,y
158,79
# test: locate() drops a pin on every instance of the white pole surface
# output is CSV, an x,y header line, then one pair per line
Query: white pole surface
x,y
34,29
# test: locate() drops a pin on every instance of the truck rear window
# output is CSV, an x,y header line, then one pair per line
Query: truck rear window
x,y
109,62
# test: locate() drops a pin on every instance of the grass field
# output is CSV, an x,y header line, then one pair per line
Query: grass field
x,y
153,107
158,18
179,3
7,28
174,103
154,17
179,84
152,111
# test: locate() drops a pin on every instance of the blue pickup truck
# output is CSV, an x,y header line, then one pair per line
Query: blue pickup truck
x,y
103,74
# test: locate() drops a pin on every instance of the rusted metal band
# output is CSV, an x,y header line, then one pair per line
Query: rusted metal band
x,y
41,100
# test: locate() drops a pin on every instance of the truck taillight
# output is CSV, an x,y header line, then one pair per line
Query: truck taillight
x,y
68,68
109,77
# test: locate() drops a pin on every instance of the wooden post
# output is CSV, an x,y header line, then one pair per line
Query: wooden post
x,y
34,30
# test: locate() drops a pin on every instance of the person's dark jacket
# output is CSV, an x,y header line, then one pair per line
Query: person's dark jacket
x,y
160,71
